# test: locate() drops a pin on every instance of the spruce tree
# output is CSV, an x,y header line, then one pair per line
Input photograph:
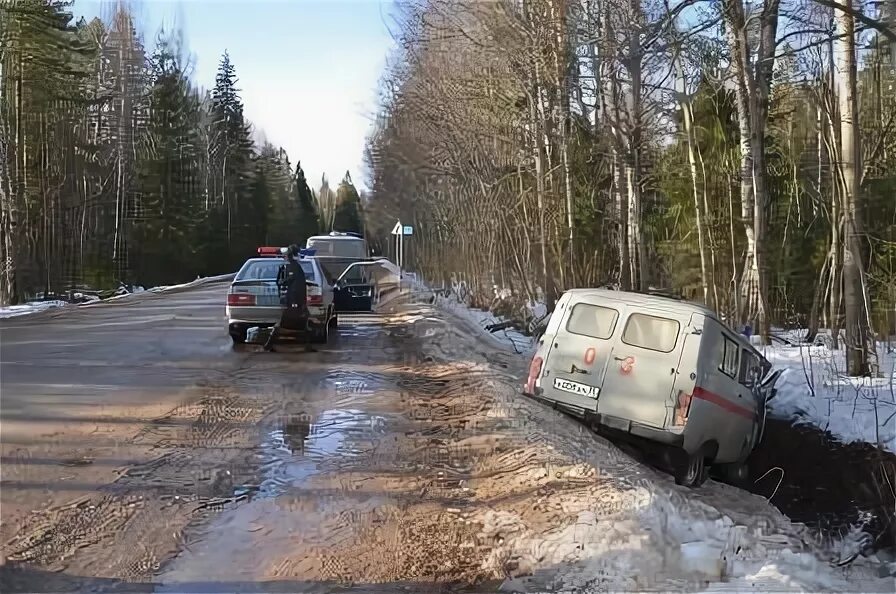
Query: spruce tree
x,y
308,214
349,213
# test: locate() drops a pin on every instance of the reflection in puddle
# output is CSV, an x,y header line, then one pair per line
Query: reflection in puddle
x,y
300,448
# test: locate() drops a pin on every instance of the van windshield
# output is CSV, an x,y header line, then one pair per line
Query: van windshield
x,y
340,248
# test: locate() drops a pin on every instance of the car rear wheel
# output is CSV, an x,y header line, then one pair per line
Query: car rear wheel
x,y
321,334
238,337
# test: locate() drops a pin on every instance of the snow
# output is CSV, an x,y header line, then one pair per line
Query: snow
x,y
508,338
635,530
31,307
814,390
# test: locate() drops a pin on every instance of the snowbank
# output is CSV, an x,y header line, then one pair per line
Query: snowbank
x,y
814,390
31,307
508,338
648,538
38,306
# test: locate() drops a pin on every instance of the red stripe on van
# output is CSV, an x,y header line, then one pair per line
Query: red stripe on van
x,y
722,402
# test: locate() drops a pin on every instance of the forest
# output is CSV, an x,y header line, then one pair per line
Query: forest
x,y
115,167
741,154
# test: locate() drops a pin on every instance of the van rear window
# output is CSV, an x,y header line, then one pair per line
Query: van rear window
x,y
592,320
651,332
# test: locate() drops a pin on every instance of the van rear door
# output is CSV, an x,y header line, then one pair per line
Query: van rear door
x,y
578,355
642,368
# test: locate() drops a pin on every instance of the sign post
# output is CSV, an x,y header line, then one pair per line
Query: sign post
x,y
397,231
400,231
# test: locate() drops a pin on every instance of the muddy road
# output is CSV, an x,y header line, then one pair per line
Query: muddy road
x,y
141,452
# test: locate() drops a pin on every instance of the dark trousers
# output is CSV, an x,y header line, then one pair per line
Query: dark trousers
x,y
294,317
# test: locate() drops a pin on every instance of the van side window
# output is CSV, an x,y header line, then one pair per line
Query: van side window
x,y
730,352
592,320
651,332
749,364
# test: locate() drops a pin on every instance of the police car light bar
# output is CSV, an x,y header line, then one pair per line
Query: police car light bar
x,y
271,251
279,251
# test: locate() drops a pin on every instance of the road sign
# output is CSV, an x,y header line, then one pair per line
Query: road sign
x,y
400,229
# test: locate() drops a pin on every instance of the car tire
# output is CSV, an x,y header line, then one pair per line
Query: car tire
x,y
238,337
321,336
334,320
691,470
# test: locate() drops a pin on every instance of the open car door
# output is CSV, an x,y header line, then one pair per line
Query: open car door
x,y
357,287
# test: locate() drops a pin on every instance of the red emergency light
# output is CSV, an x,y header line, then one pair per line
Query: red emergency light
x,y
271,251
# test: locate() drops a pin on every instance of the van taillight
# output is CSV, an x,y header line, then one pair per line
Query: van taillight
x,y
237,299
534,373
682,408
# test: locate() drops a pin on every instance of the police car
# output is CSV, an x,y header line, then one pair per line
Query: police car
x,y
254,299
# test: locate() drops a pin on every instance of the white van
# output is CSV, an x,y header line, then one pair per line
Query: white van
x,y
339,245
660,369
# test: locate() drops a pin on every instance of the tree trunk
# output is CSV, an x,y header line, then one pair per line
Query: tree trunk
x,y
561,67
818,299
622,228
537,154
860,348
687,120
752,91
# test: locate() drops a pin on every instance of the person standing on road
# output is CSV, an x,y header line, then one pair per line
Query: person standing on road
x,y
295,314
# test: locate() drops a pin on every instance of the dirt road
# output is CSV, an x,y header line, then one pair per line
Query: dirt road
x,y
140,451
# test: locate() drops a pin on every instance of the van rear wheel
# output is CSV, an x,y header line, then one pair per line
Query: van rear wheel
x,y
735,473
691,471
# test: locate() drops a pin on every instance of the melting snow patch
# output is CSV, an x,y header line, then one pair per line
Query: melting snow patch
x,y
650,543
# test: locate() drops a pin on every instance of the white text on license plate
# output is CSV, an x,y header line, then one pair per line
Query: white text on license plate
x,y
575,388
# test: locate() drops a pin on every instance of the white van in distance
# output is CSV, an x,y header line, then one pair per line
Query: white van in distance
x,y
657,368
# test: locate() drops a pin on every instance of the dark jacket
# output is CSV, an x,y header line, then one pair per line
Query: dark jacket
x,y
292,278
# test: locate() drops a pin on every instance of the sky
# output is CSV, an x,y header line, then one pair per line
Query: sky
x,y
307,69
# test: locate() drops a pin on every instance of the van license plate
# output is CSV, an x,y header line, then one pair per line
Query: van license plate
x,y
565,385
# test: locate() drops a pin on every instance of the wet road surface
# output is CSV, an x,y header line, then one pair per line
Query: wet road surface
x,y
399,457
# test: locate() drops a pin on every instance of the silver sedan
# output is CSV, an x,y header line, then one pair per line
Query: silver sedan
x,y
254,300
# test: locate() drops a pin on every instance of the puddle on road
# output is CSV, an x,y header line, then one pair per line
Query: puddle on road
x,y
293,453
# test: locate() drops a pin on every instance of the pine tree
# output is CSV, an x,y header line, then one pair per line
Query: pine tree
x,y
170,188
230,232
308,215
348,214
283,211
